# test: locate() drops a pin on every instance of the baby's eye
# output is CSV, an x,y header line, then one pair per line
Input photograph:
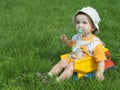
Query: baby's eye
x,y
77,22
84,22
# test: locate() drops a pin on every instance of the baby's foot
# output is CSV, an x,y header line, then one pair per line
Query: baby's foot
x,y
44,77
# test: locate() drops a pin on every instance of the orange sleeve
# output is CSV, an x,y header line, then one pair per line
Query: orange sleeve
x,y
99,53
71,43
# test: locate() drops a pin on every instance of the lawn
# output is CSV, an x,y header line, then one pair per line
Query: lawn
x,y
30,42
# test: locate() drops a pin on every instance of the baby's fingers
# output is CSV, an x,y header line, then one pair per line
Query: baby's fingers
x,y
100,76
63,37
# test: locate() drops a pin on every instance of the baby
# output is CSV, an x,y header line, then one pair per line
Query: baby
x,y
84,44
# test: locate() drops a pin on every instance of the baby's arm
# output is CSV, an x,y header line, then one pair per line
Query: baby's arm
x,y
100,57
100,71
66,40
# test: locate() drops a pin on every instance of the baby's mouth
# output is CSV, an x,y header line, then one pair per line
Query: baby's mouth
x,y
80,31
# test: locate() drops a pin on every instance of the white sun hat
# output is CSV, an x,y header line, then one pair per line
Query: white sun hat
x,y
92,13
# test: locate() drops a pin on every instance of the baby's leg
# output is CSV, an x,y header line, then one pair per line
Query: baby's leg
x,y
58,67
67,73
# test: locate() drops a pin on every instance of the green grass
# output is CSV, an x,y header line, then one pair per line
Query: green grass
x,y
29,42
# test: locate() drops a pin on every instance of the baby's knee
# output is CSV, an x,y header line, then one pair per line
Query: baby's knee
x,y
63,63
70,68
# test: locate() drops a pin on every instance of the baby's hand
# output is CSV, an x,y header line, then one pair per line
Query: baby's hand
x,y
100,76
63,37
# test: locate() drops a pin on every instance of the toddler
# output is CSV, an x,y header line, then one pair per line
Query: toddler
x,y
86,20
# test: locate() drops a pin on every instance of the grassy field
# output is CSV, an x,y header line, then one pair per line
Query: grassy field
x,y
29,42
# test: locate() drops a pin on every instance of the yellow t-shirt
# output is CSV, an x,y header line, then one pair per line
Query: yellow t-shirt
x,y
91,46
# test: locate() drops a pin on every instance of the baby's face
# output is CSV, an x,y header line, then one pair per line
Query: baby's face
x,y
83,22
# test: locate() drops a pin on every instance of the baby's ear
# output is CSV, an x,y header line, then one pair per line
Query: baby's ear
x,y
94,28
